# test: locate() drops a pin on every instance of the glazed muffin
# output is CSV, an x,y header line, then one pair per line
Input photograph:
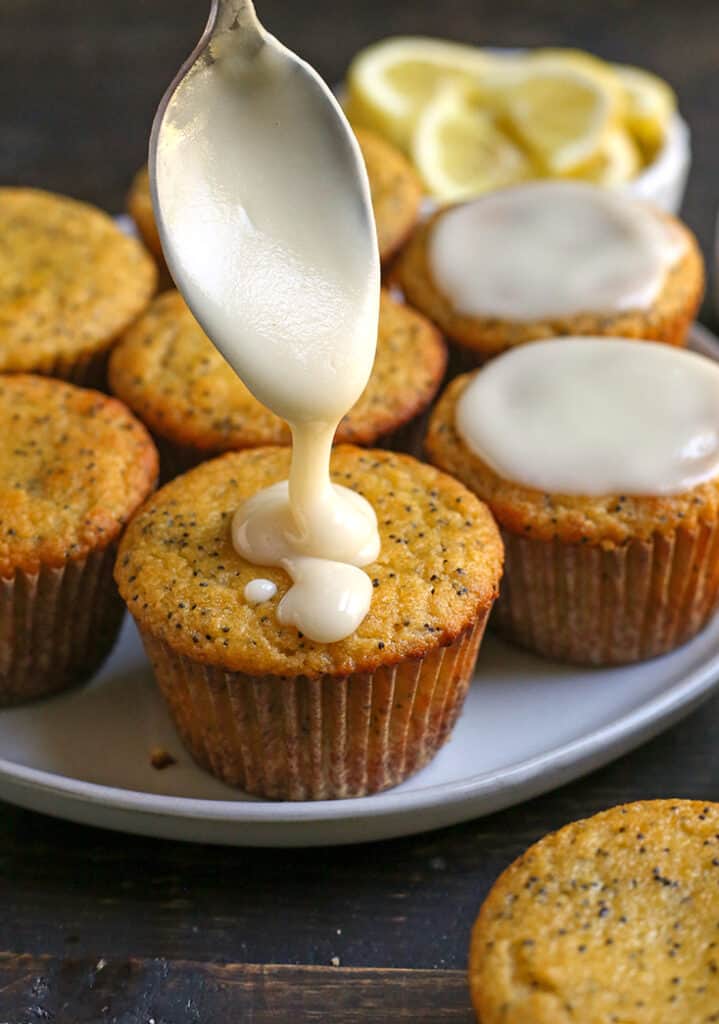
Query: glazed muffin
x,y
70,284
394,184
173,378
74,466
503,270
267,709
613,918
591,578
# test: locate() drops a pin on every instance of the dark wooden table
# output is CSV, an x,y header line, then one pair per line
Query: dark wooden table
x,y
105,927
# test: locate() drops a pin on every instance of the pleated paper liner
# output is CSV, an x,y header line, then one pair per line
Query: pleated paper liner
x,y
582,604
463,359
317,739
85,369
57,626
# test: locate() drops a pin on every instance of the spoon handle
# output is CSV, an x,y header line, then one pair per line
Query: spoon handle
x,y
233,15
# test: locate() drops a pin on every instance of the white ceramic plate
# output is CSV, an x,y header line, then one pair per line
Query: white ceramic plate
x,y
528,726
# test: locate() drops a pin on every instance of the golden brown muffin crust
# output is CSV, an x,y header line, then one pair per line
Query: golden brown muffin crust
x,y
396,191
668,319
612,919
175,380
607,520
74,466
70,281
139,206
438,569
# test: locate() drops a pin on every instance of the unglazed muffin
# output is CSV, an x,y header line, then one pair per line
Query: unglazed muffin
x,y
396,192
394,184
70,283
173,378
610,919
269,710
591,579
74,466
139,206
478,337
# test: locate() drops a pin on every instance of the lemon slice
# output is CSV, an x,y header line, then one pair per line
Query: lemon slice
x,y
561,114
460,152
649,104
620,160
389,82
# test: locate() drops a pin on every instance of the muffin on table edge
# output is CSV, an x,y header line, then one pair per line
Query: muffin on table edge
x,y
475,339
591,580
174,379
612,918
70,283
265,708
74,466
394,185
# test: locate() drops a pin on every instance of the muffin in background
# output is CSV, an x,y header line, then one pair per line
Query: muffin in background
x,y
264,707
596,579
70,283
396,192
139,206
613,918
74,466
394,184
174,379
485,332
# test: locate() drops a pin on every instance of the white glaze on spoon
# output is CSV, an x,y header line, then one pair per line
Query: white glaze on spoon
x,y
596,416
551,249
268,229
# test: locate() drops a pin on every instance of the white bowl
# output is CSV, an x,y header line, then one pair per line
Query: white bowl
x,y
663,182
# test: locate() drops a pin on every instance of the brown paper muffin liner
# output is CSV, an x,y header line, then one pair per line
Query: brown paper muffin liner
x,y
317,739
583,604
463,359
57,626
86,369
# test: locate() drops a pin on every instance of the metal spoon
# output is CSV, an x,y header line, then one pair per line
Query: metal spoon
x,y
331,179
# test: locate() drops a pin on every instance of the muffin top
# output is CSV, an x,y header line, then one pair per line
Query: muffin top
x,y
173,377
664,318
396,191
70,281
600,519
614,918
139,205
74,465
438,569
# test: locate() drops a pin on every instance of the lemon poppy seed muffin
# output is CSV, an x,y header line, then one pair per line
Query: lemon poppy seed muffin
x,y
613,918
139,206
70,284
590,578
170,374
394,185
521,304
262,706
74,466
396,192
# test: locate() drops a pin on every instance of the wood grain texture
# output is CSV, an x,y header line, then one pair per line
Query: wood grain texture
x,y
78,84
136,991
